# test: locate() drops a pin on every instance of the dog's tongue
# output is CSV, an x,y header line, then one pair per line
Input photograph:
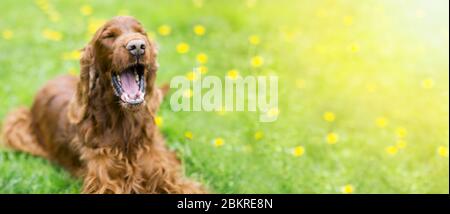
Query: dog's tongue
x,y
129,83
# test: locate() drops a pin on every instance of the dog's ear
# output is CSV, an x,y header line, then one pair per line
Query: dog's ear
x,y
155,101
152,67
88,76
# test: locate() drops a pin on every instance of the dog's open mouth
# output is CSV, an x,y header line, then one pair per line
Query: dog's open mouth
x,y
129,84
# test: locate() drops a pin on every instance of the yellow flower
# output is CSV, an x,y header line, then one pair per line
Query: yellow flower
x,y
218,142
332,138
254,39
48,9
199,30
258,135
392,150
273,112
401,144
300,83
198,3
7,34
191,76
401,132
288,36
298,151
233,74
347,189
202,58
348,20
86,10
182,48
202,69
42,4
371,87
72,55
443,151
188,93
256,61
321,13
164,30
381,122
73,72
354,48
94,25
188,135
251,3
427,83
159,120
329,116
52,35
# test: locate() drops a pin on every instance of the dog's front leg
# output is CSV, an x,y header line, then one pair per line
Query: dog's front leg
x,y
94,185
102,173
161,171
97,181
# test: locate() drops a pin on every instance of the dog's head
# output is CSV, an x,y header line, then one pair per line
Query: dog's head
x,y
118,65
122,61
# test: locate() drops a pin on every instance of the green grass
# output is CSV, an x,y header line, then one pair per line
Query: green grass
x,y
359,60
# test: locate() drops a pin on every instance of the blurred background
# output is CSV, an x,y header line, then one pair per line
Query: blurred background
x,y
363,89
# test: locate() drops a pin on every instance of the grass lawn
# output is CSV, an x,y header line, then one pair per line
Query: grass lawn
x,y
363,89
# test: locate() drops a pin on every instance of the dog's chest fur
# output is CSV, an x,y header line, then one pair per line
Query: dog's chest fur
x,y
120,172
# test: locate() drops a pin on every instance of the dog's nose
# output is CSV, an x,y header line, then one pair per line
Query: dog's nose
x,y
136,47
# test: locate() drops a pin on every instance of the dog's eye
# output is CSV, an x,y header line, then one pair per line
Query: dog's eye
x,y
143,32
109,35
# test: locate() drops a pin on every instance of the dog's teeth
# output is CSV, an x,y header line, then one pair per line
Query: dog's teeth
x,y
118,77
136,76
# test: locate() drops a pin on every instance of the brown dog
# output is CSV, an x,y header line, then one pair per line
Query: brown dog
x,y
101,126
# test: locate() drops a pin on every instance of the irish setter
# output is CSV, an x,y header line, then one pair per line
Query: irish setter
x,y
101,126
